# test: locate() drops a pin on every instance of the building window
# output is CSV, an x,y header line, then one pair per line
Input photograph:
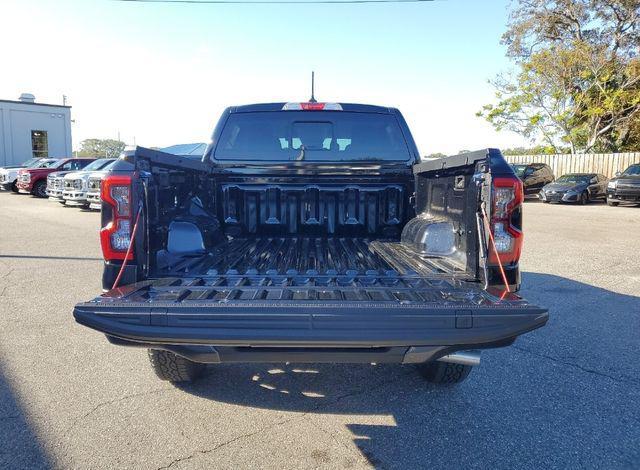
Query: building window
x,y
39,144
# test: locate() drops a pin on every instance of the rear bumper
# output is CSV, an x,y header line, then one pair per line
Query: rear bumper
x,y
228,354
311,333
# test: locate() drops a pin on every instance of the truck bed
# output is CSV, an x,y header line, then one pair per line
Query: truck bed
x,y
306,269
288,292
313,256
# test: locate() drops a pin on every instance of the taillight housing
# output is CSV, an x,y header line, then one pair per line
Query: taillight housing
x,y
506,220
115,235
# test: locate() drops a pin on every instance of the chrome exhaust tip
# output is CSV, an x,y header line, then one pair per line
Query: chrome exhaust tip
x,y
466,358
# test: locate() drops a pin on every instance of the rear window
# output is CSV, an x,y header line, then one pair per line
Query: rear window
x,y
311,136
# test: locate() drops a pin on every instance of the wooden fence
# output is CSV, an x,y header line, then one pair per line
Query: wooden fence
x,y
605,163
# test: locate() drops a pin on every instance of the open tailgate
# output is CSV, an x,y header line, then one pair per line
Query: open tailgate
x,y
308,310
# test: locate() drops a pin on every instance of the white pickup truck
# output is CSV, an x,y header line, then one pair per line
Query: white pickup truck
x,y
76,184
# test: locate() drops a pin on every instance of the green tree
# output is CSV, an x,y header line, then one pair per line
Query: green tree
x,y
537,150
101,148
577,77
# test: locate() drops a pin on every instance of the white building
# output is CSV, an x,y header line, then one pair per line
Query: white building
x,y
29,129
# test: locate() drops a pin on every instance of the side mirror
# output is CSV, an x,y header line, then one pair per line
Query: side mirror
x,y
618,173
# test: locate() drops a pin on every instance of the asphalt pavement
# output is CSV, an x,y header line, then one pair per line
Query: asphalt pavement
x,y
565,396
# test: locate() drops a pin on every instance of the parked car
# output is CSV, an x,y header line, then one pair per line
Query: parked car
x,y
34,180
576,187
534,176
9,174
75,187
311,232
93,187
625,187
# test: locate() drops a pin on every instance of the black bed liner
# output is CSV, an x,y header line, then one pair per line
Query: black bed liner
x,y
300,255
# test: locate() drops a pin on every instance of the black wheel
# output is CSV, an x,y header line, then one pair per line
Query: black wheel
x,y
612,203
444,372
40,189
14,186
544,201
174,368
62,202
584,198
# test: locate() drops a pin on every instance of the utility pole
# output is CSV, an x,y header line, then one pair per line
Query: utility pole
x,y
64,100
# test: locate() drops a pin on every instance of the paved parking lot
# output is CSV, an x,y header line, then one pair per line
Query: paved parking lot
x,y
564,396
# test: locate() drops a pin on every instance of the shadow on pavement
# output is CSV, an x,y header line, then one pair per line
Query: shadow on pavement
x,y
19,445
539,401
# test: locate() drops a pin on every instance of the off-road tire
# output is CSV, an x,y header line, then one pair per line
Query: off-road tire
x,y
612,203
40,189
444,373
174,368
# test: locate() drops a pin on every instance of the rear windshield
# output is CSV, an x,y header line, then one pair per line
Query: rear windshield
x,y
311,136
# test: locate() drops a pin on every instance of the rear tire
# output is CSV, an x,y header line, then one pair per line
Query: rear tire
x,y
174,368
445,373
40,189
612,203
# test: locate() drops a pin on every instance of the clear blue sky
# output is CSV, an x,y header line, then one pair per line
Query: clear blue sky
x,y
162,73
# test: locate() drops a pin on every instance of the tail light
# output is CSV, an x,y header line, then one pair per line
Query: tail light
x,y
506,220
115,234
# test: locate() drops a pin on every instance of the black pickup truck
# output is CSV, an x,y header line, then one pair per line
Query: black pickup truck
x,y
311,232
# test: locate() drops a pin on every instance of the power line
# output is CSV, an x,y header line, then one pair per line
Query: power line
x,y
272,2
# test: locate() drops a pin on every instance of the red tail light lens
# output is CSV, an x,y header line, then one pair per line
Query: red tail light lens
x,y
115,235
506,219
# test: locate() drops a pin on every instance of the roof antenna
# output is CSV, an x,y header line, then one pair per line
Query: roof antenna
x,y
313,99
